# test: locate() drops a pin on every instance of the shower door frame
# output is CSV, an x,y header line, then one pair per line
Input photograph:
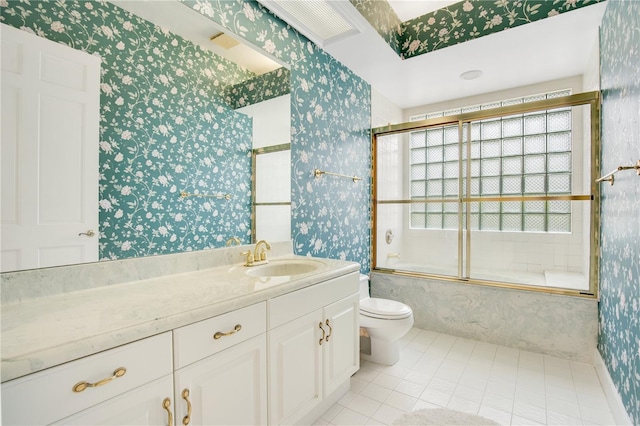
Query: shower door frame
x,y
254,204
592,99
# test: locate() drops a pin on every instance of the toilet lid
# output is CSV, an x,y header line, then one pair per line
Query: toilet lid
x,y
384,308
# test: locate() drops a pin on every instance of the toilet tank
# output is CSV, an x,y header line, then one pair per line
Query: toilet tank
x,y
364,286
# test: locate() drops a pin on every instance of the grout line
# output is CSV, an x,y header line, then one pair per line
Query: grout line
x,y
548,368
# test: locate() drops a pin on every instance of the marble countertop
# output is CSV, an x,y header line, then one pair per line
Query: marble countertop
x,y
45,332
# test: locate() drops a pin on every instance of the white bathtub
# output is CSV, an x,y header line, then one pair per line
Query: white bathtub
x,y
548,278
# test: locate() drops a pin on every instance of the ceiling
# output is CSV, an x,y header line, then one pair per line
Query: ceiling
x,y
409,9
198,29
544,50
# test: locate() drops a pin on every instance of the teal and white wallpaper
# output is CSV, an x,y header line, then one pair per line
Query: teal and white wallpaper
x,y
166,127
619,337
260,88
457,23
330,129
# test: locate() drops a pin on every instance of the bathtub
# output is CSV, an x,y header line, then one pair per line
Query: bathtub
x,y
559,325
548,278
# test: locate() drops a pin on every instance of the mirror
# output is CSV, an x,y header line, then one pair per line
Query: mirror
x,y
174,144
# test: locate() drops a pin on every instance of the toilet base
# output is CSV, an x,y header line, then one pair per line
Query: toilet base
x,y
383,351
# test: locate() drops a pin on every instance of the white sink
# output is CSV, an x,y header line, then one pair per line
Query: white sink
x,y
288,267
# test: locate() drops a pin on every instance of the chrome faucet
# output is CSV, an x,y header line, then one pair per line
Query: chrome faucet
x,y
259,256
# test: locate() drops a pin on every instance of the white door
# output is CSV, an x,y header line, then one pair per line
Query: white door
x,y
342,349
50,134
228,388
295,368
139,407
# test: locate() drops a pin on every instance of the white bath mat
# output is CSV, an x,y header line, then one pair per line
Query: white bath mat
x,y
440,416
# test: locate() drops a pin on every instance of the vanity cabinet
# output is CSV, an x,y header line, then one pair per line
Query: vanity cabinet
x,y
88,387
277,361
142,406
341,350
221,375
313,347
229,388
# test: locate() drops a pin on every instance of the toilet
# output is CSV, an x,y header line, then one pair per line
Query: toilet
x,y
384,321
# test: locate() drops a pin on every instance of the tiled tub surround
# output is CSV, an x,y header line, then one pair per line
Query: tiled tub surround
x,y
129,300
560,326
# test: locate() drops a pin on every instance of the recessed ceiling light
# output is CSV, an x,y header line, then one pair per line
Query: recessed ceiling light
x,y
471,75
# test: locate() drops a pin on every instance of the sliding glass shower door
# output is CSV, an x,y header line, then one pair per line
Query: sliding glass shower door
x,y
498,196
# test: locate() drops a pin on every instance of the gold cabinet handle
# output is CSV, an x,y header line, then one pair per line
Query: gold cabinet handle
x,y
89,233
186,419
324,334
80,386
330,330
220,334
166,404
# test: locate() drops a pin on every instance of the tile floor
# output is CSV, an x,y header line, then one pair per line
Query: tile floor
x,y
510,386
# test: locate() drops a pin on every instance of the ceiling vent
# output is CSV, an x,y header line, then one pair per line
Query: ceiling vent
x,y
224,40
321,21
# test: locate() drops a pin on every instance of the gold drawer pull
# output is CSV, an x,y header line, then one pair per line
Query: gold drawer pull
x,y
118,372
166,404
330,330
186,419
220,334
324,334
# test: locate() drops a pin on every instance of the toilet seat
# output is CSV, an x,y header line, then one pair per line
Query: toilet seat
x,y
384,309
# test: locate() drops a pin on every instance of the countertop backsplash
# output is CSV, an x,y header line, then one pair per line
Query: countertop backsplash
x,y
16,287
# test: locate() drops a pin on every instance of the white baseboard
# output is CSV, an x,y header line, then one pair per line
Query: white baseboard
x,y
613,397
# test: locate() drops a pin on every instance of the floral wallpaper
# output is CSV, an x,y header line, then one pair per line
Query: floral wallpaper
x,y
260,88
619,337
460,22
330,129
164,129
383,19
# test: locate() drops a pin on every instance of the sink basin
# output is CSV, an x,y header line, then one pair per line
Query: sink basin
x,y
284,268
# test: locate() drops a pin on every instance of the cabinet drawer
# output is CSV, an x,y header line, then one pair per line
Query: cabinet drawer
x,y
196,341
298,303
47,396
138,407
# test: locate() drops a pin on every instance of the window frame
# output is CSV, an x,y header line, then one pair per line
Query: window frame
x,y
479,143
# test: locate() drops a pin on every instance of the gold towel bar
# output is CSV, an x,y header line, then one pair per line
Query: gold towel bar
x,y
184,194
317,173
611,178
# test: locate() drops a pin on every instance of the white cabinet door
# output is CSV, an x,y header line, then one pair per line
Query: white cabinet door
x,y
138,407
228,388
341,356
56,393
50,115
295,367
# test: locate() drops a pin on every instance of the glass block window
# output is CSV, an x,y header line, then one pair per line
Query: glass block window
x,y
518,155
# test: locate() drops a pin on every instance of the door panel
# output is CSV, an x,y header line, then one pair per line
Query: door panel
x,y
228,388
342,350
50,135
295,364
